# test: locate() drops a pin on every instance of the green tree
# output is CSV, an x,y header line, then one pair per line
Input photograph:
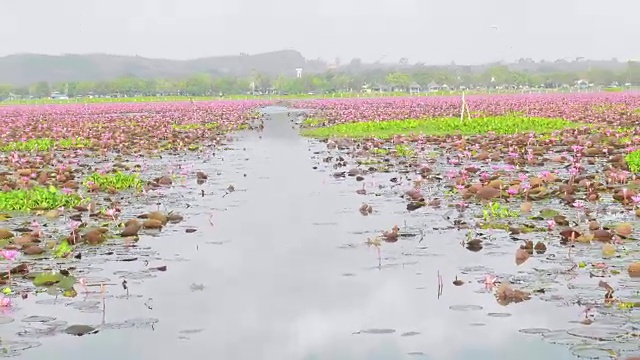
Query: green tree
x,y
40,90
399,79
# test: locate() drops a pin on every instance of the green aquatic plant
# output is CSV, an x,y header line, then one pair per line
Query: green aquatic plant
x,y
37,198
633,160
313,122
505,124
116,181
404,151
63,249
189,127
380,151
45,144
495,210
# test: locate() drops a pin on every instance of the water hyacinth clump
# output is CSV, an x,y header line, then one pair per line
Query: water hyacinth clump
x,y
633,160
113,181
45,144
37,198
504,124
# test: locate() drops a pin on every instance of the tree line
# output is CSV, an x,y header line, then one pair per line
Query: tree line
x,y
339,80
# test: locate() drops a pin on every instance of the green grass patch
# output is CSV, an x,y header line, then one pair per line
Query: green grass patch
x,y
45,144
37,198
116,181
508,124
633,160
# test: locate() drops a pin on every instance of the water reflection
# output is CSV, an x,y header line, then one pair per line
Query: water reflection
x,y
271,278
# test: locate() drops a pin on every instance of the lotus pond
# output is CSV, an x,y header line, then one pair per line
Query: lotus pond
x,y
174,229
545,178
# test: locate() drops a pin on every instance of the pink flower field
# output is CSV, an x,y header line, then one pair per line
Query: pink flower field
x,y
611,108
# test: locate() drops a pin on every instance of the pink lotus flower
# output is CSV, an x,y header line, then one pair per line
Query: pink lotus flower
x,y
9,255
5,302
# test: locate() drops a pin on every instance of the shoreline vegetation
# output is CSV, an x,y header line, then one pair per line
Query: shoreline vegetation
x,y
275,97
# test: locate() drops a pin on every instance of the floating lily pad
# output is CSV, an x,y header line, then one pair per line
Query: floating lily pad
x,y
47,279
592,351
597,333
80,330
38,319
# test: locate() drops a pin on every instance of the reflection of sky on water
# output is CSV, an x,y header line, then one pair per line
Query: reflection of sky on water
x,y
275,289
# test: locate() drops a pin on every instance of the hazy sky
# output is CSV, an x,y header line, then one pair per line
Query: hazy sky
x,y
464,31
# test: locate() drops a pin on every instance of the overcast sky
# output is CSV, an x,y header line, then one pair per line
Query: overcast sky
x,y
434,32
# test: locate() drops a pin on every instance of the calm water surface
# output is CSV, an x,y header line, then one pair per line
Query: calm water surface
x,y
284,274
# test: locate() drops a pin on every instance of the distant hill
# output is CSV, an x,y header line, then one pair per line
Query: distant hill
x,y
24,69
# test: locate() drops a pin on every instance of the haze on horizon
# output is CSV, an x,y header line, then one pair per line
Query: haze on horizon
x,y
433,32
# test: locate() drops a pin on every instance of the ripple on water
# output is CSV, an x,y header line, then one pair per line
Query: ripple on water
x,y
465,307
5,320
